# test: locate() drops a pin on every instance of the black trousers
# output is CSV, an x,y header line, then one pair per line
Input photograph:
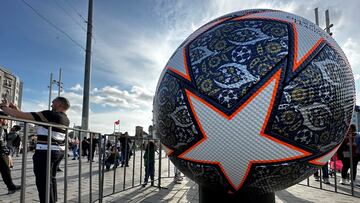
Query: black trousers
x,y
149,170
39,159
6,173
92,153
346,167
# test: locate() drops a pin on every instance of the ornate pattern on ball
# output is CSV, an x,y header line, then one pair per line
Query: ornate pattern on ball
x,y
256,100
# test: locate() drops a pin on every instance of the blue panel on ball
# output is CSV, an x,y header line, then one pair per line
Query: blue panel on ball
x,y
231,58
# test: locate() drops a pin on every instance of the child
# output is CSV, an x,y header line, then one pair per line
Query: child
x,y
149,163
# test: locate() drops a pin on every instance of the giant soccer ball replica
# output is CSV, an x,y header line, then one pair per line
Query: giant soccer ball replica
x,y
256,100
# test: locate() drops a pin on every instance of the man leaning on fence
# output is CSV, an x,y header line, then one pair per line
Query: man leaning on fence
x,y
58,116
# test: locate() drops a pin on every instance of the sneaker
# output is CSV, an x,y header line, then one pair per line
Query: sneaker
x,y
343,181
13,190
144,184
177,180
326,181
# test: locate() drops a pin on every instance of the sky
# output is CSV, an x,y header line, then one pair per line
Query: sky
x,y
132,42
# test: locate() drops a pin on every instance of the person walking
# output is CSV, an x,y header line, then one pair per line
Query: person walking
x,y
4,160
345,156
74,148
57,115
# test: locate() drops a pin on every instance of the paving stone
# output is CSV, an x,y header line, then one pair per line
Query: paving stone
x,y
185,192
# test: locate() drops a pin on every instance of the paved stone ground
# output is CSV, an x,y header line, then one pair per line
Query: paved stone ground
x,y
188,192
129,189
134,176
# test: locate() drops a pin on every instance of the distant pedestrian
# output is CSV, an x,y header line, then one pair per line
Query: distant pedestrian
x,y
56,115
92,149
344,155
125,143
149,163
85,146
74,148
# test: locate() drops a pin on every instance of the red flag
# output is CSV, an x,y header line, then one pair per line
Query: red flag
x,y
117,122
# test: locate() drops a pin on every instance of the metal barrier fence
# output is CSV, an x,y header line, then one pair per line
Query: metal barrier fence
x,y
94,185
106,182
334,168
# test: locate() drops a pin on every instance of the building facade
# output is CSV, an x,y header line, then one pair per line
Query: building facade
x,y
11,87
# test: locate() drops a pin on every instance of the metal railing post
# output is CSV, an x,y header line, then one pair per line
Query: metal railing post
x,y
321,176
100,172
102,168
168,166
48,166
134,155
114,167
125,157
351,165
79,158
141,158
23,168
66,164
160,159
90,165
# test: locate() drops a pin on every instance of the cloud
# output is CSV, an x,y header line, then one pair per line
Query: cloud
x,y
76,88
136,98
34,105
351,48
357,76
133,107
